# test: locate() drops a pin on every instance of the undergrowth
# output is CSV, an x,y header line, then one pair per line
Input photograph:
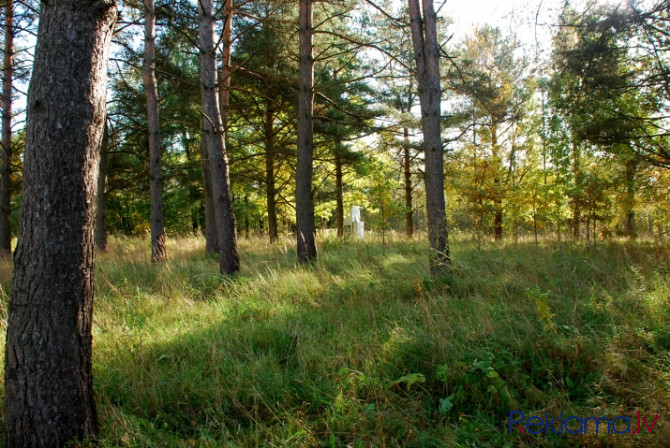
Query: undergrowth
x,y
365,350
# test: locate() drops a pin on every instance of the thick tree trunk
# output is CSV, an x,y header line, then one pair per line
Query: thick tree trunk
x,y
158,249
306,232
48,380
270,172
211,235
339,197
409,212
229,261
5,164
426,55
101,201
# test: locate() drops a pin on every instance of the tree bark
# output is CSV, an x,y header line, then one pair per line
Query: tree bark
x,y
226,69
271,190
193,193
339,196
48,379
629,203
211,235
577,197
5,164
426,56
229,261
306,231
158,249
497,185
409,212
101,200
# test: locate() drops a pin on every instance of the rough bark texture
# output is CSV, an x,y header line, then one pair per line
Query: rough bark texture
x,y
306,231
211,235
158,249
407,160
270,186
101,200
5,164
48,379
424,40
229,261
226,69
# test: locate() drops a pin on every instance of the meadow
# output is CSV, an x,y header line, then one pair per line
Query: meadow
x,y
364,349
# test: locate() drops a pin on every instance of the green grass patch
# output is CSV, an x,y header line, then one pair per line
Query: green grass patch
x,y
365,350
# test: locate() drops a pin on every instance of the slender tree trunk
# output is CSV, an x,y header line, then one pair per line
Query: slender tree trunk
x,y
193,194
426,55
498,215
497,186
577,199
211,235
629,203
270,171
409,212
246,216
226,68
229,261
158,249
101,201
339,196
5,164
48,379
535,220
306,232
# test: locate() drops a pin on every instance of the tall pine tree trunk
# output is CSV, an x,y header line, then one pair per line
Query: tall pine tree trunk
x,y
270,186
629,202
211,235
226,68
5,164
48,379
426,55
101,201
158,249
497,185
229,261
407,165
306,232
577,196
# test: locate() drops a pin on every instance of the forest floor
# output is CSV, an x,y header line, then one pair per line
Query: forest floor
x,y
365,350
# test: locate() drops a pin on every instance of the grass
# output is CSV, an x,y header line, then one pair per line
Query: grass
x,y
365,350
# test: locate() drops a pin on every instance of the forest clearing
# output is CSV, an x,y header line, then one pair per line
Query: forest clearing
x,y
333,223
366,350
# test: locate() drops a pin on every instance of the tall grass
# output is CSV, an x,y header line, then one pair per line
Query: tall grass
x,y
365,350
